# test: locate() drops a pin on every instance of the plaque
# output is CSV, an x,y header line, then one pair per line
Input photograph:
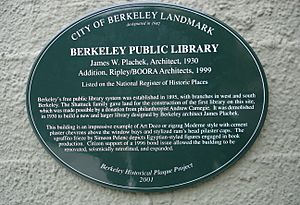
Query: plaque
x,y
147,96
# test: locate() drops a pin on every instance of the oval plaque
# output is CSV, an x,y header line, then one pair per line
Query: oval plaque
x,y
147,96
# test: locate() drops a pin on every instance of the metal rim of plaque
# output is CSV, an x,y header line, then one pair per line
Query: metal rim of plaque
x,y
196,112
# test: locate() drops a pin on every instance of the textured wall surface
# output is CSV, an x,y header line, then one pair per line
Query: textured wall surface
x,y
268,174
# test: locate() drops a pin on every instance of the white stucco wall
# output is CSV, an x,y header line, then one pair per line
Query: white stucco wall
x,y
269,173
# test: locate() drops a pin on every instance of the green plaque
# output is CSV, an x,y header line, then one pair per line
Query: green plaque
x,y
147,96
